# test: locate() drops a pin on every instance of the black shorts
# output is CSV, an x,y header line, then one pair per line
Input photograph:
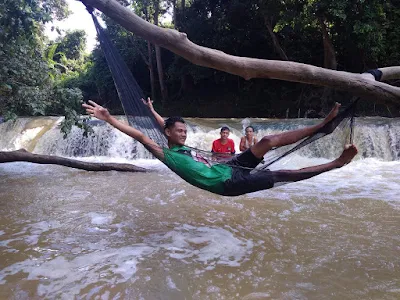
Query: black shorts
x,y
242,181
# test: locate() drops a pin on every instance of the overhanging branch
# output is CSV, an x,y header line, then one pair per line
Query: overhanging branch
x,y
250,67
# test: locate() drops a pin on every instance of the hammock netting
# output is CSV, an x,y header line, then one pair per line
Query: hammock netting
x,y
140,116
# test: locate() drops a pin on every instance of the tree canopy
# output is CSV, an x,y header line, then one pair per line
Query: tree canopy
x,y
351,36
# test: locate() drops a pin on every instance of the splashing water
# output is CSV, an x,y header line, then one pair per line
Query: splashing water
x,y
68,233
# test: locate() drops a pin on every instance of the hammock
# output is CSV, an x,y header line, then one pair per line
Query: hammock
x,y
140,117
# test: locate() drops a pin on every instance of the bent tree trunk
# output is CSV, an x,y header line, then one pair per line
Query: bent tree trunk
x,y
358,84
148,62
23,155
151,71
330,61
275,42
163,88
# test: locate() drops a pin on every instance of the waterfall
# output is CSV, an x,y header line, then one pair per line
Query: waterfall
x,y
375,137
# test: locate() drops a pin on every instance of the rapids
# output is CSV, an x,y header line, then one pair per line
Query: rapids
x,y
71,234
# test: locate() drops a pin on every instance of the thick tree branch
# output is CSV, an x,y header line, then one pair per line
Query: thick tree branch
x,y
390,73
23,155
250,67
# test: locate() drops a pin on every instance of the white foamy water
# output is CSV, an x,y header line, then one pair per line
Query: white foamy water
x,y
56,272
209,246
374,137
71,234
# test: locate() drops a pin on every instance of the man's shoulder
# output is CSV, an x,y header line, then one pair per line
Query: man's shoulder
x,y
217,141
231,141
179,148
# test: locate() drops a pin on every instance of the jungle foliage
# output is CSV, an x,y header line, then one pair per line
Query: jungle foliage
x,y
38,77
35,74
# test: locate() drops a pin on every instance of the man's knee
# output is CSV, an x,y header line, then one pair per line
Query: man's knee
x,y
262,147
268,141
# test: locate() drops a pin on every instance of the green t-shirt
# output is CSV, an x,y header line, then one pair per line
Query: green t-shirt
x,y
197,173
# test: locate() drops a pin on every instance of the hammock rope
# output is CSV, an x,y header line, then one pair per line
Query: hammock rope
x,y
140,117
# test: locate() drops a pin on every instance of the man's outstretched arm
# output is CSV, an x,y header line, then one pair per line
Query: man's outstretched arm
x,y
149,104
95,110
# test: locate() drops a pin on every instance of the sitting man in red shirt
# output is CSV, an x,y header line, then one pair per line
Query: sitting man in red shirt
x,y
224,145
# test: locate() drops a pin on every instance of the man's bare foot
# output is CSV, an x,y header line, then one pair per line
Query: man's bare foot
x,y
347,155
332,114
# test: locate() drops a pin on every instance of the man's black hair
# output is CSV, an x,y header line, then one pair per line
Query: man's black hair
x,y
250,127
225,128
170,122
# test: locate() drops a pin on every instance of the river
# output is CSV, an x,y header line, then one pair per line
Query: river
x,y
72,234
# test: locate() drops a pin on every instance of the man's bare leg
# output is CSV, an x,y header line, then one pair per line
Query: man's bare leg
x,y
290,137
295,175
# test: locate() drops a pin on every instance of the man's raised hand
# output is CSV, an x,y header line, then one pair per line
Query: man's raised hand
x,y
95,110
148,103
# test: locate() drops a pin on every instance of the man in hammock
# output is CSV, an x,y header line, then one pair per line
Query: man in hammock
x,y
232,178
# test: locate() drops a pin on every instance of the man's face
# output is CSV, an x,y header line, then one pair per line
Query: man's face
x,y
177,133
249,132
224,134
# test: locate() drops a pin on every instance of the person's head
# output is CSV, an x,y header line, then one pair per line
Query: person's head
x,y
225,131
175,130
249,131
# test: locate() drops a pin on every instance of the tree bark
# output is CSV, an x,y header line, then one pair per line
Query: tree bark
x,y
23,155
358,84
174,13
151,70
164,94
330,61
329,51
148,62
183,5
145,60
275,42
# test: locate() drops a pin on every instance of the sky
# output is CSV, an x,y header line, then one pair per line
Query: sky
x,y
79,19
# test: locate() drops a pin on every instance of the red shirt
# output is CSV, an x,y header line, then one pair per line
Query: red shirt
x,y
229,147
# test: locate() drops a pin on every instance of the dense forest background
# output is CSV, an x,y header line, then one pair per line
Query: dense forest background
x,y
42,77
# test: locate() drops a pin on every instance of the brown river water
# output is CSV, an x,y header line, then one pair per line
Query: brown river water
x,y
71,234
